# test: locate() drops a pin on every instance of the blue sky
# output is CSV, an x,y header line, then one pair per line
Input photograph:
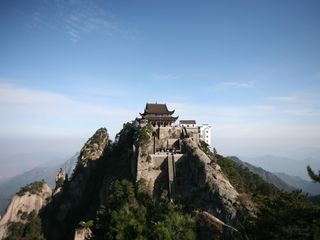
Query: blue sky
x,y
249,68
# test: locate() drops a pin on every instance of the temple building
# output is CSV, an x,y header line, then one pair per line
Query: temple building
x,y
166,146
157,115
188,123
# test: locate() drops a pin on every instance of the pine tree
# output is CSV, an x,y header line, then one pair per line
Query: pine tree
x,y
315,177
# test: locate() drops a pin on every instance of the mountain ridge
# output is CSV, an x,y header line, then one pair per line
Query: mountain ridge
x,y
9,187
185,195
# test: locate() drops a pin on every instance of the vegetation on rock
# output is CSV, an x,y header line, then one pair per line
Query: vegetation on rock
x,y
30,230
145,133
280,215
32,188
92,150
131,213
60,182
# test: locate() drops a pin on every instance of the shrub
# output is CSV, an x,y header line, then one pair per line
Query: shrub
x,y
149,158
32,188
59,183
31,230
131,213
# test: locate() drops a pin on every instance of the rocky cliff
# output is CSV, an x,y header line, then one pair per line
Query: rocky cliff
x,y
46,172
31,198
76,194
198,183
202,180
123,188
198,177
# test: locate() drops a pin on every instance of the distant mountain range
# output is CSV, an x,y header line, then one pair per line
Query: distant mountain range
x,y
281,180
9,187
297,182
267,176
291,166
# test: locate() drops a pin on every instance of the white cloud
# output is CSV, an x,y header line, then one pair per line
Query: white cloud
x,y
304,105
303,111
283,98
234,84
165,77
255,129
73,18
27,111
236,129
85,18
265,107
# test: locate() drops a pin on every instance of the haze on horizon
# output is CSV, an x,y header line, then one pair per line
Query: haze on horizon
x,y
250,69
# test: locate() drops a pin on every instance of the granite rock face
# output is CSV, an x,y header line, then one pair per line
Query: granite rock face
x,y
196,172
24,203
60,179
82,234
70,202
195,175
94,148
215,193
212,228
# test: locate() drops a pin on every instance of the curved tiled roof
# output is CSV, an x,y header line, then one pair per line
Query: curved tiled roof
x,y
157,109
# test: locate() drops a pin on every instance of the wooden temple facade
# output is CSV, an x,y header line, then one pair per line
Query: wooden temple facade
x,y
157,115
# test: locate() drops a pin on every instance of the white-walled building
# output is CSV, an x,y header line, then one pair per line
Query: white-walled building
x,y
205,134
202,132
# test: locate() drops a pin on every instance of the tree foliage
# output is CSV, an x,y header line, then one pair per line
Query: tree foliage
x,y
280,215
32,188
284,216
130,213
30,230
315,177
243,179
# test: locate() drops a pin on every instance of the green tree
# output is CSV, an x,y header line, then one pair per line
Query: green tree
x,y
31,230
175,226
32,188
284,216
315,177
131,213
122,217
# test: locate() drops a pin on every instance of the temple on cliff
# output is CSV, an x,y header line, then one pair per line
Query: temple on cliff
x,y
157,115
166,145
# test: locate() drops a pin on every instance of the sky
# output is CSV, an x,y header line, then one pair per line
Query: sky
x,y
251,69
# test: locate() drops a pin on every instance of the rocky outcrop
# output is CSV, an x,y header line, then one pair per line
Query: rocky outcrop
x,y
24,202
69,204
214,193
93,150
197,177
60,180
212,228
82,234
94,147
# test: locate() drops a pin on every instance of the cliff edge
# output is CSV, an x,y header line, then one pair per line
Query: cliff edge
x,y
32,197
